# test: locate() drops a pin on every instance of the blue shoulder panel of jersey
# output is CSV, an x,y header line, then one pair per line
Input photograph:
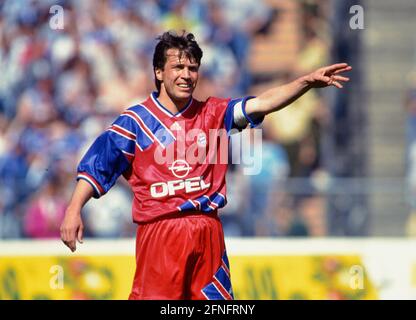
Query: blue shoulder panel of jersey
x,y
129,121
160,132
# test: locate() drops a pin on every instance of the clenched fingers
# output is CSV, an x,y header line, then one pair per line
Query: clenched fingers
x,y
68,238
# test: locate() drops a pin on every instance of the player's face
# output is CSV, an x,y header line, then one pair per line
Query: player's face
x,y
179,77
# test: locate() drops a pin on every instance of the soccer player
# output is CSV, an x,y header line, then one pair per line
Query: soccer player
x,y
180,249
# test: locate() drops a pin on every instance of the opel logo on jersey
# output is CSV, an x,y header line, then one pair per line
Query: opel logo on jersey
x,y
170,188
180,168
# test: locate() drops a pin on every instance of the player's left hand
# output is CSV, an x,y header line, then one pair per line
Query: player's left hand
x,y
328,76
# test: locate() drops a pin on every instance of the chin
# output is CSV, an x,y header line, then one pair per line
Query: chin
x,y
184,95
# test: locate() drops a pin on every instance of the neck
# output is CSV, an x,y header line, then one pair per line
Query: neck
x,y
172,105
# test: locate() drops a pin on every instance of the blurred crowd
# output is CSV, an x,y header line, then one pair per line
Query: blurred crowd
x,y
288,197
410,105
60,88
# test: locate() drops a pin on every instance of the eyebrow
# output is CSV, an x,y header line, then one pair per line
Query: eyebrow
x,y
178,64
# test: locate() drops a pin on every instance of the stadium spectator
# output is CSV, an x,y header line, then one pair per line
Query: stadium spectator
x,y
46,210
265,186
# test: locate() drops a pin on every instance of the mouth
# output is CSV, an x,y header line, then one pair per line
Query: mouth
x,y
186,86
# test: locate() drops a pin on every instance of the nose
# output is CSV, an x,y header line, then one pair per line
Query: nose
x,y
186,74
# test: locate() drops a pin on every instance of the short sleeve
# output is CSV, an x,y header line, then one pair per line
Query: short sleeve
x,y
110,155
103,163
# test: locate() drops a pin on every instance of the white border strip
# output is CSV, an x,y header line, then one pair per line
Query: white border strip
x,y
235,246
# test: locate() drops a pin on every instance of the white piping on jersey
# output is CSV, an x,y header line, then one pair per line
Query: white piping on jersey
x,y
141,120
199,203
128,153
205,295
138,146
120,134
166,111
167,129
124,129
193,204
210,202
221,195
219,291
225,268
139,124
222,286
83,176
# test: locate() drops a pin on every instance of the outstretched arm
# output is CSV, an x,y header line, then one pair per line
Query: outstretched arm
x,y
280,97
72,226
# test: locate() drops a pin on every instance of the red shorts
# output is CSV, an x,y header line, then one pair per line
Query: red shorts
x,y
182,258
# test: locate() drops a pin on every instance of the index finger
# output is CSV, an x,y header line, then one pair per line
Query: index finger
x,y
342,70
70,244
336,66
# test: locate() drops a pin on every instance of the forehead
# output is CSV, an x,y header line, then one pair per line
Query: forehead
x,y
175,56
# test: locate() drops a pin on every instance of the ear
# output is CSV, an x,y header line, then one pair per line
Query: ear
x,y
159,73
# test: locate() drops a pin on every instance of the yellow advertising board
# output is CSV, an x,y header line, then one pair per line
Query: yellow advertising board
x,y
80,277
318,277
253,277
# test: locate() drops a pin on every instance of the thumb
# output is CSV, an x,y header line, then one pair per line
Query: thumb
x,y
80,234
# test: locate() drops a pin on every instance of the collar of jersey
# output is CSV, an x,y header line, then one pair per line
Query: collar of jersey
x,y
154,96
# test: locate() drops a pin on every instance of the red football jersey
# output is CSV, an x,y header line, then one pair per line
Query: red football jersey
x,y
173,162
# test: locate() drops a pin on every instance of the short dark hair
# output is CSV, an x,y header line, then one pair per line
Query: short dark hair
x,y
185,43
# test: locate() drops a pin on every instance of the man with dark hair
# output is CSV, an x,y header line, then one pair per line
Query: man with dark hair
x,y
180,249
185,44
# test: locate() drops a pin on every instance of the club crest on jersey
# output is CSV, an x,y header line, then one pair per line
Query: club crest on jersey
x,y
202,139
